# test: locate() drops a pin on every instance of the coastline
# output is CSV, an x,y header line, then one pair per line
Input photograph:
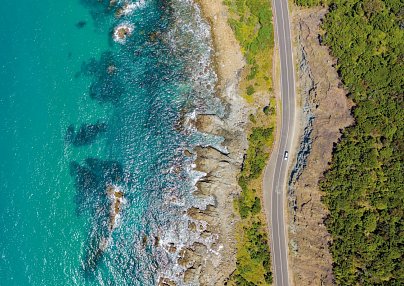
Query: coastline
x,y
244,115
214,266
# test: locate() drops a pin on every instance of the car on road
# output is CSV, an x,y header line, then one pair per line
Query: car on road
x,y
285,155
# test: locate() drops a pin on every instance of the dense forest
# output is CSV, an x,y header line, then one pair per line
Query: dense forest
x,y
364,188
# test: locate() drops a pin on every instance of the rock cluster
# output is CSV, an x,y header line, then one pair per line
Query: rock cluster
x,y
213,265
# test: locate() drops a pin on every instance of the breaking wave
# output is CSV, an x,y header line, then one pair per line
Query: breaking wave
x,y
156,78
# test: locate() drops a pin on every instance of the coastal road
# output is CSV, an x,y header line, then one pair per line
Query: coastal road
x,y
277,171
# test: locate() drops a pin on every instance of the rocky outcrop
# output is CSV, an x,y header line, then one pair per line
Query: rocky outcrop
x,y
122,32
213,265
221,183
115,195
326,111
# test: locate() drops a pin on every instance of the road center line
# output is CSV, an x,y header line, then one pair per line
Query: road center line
x,y
287,95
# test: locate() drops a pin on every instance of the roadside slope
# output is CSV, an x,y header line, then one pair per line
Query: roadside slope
x,y
251,22
363,188
324,112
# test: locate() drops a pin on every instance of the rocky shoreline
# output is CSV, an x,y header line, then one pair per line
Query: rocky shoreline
x,y
213,266
326,111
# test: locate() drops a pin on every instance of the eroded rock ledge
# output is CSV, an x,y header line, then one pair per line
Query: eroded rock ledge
x,y
326,113
212,265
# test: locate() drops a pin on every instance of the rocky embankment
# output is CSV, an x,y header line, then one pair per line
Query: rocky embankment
x,y
326,111
213,265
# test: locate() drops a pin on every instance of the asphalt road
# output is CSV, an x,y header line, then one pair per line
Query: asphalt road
x,y
277,171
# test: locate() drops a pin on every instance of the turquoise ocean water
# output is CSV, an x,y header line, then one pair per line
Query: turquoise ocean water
x,y
81,112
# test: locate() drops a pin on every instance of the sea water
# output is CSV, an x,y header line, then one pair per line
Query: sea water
x,y
87,106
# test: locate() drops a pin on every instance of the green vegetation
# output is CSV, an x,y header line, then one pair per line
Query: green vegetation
x,y
257,154
251,21
310,3
364,189
254,163
253,255
250,90
269,110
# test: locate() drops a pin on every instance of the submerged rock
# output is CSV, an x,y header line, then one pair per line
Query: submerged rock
x,y
81,24
86,134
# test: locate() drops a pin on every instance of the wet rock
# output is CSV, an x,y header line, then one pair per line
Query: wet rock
x,y
192,226
187,153
115,194
122,32
166,282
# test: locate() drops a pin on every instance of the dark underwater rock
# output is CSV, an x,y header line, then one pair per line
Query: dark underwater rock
x,y
81,24
86,134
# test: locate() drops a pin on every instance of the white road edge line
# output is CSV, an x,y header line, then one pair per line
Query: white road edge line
x,y
286,143
286,47
278,147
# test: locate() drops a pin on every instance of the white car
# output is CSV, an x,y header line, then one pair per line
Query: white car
x,y
285,156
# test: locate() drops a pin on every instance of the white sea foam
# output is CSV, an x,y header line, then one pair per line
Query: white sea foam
x,y
129,7
190,32
122,32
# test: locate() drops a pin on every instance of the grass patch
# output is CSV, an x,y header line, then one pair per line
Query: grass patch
x,y
253,254
251,21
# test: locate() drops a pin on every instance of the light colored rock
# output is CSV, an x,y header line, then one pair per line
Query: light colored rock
x,y
212,266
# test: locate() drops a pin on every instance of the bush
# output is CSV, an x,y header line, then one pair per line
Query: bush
x,y
256,207
250,90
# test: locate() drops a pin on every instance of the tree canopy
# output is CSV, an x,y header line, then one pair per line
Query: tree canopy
x,y
364,188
